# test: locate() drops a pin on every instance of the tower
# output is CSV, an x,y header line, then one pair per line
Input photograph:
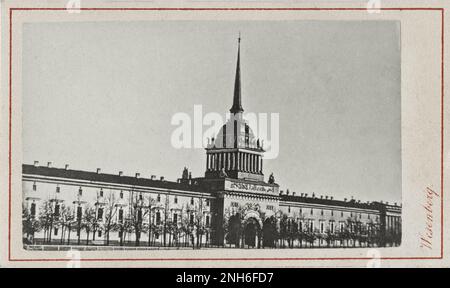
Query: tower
x,y
235,152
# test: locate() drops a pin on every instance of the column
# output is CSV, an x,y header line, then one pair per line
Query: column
x,y
261,168
253,163
227,161
231,161
207,161
217,161
241,161
246,162
238,161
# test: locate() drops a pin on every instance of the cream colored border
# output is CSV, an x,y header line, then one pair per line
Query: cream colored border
x,y
421,130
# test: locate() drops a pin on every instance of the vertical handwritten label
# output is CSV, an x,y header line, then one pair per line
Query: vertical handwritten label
x,y
426,238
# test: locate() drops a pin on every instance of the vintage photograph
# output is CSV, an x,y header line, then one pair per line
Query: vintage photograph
x,y
145,135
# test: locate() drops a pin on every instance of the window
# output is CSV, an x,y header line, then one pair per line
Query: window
x,y
191,219
139,216
99,233
351,214
56,210
289,209
175,200
158,198
207,220
121,194
322,227
234,204
55,231
311,225
269,207
79,213
34,186
175,218
33,209
300,227
158,218
140,196
58,189
312,211
341,226
80,192
342,214
332,226
101,192
120,215
360,215
100,213
192,201
321,212
120,234
207,202
300,211
332,212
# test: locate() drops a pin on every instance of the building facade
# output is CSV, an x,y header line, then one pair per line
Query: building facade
x,y
231,206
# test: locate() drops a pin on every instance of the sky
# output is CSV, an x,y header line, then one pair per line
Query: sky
x,y
102,95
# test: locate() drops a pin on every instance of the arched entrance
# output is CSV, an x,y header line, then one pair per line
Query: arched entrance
x,y
269,232
251,233
233,236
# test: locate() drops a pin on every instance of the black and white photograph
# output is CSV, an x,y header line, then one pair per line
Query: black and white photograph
x,y
216,135
213,135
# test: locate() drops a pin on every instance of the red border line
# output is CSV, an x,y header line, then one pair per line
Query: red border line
x,y
10,133
225,9
221,259
442,133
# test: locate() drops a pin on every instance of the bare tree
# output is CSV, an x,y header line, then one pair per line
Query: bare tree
x,y
110,211
151,203
45,218
137,213
64,220
30,225
88,221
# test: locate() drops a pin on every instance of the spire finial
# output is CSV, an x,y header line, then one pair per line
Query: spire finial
x,y
237,106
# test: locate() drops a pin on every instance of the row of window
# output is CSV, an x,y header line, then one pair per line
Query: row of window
x,y
308,226
100,211
141,197
311,212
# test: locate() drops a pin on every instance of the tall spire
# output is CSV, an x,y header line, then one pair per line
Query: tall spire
x,y
237,105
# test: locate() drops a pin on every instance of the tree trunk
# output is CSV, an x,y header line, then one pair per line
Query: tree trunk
x,y
138,235
79,232
107,236
68,236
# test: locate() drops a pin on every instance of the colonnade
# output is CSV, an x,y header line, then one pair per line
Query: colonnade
x,y
240,161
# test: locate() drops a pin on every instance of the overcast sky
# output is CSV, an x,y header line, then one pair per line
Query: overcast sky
x,y
103,95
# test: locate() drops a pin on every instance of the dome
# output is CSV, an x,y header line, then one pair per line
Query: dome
x,y
236,133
